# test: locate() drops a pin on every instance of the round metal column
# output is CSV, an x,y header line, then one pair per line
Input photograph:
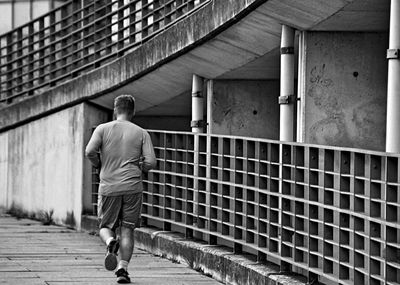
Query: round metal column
x,y
287,98
393,96
197,123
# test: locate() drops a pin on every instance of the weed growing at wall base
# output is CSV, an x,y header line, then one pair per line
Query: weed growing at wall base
x,y
46,217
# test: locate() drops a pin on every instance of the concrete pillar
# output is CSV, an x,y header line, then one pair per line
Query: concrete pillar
x,y
287,98
393,96
197,123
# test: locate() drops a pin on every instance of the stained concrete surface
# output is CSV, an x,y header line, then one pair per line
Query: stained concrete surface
x,y
41,166
31,253
346,89
246,108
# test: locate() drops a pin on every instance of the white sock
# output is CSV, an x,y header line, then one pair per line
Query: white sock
x,y
109,240
123,264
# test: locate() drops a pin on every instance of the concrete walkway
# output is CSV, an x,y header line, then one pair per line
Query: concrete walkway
x,y
31,253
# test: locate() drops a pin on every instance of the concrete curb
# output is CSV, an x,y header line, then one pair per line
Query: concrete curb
x,y
215,261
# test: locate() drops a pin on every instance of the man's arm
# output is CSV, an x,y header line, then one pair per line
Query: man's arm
x,y
149,158
93,146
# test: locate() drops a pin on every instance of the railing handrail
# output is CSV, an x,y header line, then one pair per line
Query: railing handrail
x,y
328,147
79,36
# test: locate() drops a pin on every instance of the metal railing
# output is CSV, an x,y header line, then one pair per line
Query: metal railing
x,y
78,37
331,214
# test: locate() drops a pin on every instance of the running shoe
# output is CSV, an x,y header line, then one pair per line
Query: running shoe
x,y
122,276
110,261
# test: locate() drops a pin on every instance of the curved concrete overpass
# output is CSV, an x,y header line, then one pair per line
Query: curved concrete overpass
x,y
224,39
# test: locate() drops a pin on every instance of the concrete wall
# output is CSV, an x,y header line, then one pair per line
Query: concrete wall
x,y
246,108
345,99
4,197
41,166
93,117
167,123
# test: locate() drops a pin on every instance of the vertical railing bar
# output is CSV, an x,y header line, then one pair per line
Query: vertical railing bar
x,y
51,44
30,59
280,204
108,27
156,15
76,37
97,24
86,31
132,22
144,19
41,52
385,234
196,179
64,34
9,67
211,238
19,70
120,24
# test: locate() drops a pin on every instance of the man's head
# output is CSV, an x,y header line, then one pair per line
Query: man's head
x,y
124,105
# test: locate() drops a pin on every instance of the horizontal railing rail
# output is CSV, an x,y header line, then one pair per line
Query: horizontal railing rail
x,y
78,37
331,214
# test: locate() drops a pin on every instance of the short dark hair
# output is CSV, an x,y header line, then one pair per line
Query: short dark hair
x,y
124,104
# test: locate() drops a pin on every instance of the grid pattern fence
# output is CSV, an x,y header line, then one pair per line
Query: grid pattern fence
x,y
331,214
78,37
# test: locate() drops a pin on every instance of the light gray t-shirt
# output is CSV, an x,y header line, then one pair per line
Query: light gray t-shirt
x,y
125,151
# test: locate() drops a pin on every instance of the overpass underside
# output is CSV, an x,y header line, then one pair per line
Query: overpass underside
x,y
325,205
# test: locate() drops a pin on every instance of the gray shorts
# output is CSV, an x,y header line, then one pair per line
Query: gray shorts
x,y
114,211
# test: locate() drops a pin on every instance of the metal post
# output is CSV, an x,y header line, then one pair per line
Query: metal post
x,y
197,123
393,96
210,93
287,98
197,127
286,102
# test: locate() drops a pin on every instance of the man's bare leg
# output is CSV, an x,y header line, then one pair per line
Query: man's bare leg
x,y
125,252
126,243
106,234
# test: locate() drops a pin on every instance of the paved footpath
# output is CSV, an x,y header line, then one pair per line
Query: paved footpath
x,y
31,253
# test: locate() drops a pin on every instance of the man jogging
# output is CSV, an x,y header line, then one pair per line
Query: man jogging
x,y
125,151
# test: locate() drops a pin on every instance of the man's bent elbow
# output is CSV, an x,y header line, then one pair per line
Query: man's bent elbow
x,y
90,153
153,163
149,165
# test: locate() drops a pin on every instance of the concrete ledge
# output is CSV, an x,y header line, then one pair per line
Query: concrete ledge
x,y
216,261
